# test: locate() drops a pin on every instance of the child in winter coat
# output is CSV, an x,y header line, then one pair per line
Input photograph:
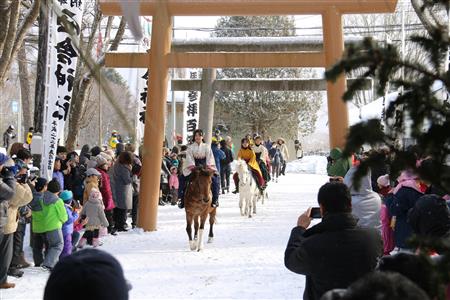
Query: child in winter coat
x,y
48,216
93,209
173,184
387,233
105,189
67,229
91,181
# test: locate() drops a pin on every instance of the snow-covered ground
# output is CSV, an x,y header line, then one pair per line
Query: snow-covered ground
x,y
244,262
313,164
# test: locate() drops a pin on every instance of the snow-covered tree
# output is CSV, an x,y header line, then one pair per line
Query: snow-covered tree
x,y
279,113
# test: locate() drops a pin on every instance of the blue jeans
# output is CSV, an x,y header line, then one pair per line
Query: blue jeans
x,y
55,246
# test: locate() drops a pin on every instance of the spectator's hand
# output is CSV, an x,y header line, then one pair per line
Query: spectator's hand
x,y
304,220
85,221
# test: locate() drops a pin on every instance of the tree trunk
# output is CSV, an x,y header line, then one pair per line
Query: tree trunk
x,y
15,35
24,89
39,93
80,91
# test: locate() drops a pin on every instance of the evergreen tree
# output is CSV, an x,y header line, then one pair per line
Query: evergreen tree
x,y
276,113
420,108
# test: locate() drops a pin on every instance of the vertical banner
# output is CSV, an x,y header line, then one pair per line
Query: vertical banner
x,y
61,66
191,112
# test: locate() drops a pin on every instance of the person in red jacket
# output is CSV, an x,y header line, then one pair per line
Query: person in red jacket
x,y
105,190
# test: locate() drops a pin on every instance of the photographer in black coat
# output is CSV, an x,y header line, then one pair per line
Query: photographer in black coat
x,y
7,190
334,253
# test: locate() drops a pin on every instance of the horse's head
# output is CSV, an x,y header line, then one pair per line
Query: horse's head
x,y
201,183
242,170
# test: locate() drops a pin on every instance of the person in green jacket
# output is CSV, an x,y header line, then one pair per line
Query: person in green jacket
x,y
37,218
338,165
49,214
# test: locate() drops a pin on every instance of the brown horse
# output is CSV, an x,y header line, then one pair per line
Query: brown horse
x,y
197,201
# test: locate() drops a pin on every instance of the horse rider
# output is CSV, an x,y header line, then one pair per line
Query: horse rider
x,y
199,154
262,157
248,155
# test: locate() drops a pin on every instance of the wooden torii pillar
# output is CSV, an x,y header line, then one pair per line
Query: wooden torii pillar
x,y
161,59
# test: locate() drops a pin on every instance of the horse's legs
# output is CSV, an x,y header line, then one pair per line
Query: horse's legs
x,y
249,205
195,227
212,220
241,203
200,232
254,203
189,218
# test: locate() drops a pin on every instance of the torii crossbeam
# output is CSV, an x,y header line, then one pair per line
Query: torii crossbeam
x,y
161,59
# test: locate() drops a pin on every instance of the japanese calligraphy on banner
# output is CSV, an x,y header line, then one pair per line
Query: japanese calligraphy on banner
x,y
61,66
143,98
191,112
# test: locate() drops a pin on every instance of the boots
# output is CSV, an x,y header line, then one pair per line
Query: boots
x,y
215,203
21,262
181,204
15,272
7,285
236,190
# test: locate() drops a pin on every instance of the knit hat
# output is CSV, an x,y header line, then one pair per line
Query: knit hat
x,y
66,196
54,186
3,158
110,153
106,156
384,180
92,171
100,160
98,273
40,184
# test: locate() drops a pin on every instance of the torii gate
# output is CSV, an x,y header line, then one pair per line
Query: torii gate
x,y
160,59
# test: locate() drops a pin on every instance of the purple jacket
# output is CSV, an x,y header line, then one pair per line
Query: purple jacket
x,y
58,175
67,227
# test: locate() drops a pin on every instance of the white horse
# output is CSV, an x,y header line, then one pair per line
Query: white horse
x,y
248,190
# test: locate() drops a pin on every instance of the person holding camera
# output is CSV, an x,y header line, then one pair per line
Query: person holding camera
x,y
22,197
336,252
7,191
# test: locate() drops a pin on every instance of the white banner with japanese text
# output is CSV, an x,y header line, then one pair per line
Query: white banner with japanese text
x,y
62,58
191,111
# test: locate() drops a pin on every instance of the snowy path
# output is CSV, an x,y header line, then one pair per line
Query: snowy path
x,y
244,262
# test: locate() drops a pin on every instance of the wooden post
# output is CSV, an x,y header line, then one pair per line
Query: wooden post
x,y
154,118
206,117
337,109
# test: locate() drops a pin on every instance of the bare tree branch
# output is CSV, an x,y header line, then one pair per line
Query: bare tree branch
x,y
10,36
15,37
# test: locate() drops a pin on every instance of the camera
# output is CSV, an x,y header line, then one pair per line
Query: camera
x,y
23,178
315,213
